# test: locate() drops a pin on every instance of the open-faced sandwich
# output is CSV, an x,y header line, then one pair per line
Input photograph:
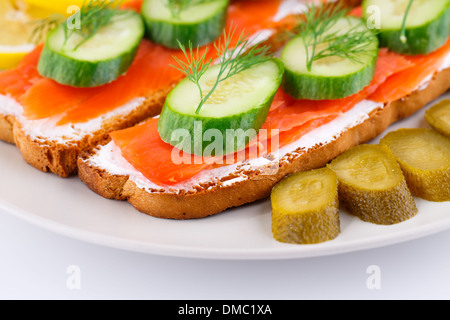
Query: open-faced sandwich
x,y
229,132
188,108
107,67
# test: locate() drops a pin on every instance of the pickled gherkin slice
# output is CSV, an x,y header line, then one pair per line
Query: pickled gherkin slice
x,y
305,208
424,156
372,186
438,116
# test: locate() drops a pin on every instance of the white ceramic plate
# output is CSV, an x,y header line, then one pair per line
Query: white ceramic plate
x,y
68,207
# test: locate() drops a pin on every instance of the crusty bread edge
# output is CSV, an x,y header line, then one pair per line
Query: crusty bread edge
x,y
7,128
216,200
61,159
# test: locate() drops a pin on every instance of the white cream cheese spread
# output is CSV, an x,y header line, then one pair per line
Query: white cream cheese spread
x,y
109,156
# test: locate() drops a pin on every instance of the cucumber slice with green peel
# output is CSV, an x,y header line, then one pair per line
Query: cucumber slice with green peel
x,y
438,116
335,76
201,23
305,207
424,156
427,24
97,61
229,119
372,186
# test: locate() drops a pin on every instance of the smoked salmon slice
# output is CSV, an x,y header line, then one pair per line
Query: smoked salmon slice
x,y
255,14
143,148
287,113
133,4
287,121
81,104
403,83
17,81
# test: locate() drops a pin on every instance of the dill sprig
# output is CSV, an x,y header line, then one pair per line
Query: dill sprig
x,y
43,26
232,60
403,37
320,43
178,6
93,16
194,67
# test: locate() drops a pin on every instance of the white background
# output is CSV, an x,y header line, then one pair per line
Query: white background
x,y
34,264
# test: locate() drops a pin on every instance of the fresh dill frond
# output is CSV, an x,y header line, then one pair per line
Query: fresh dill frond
x,y
92,16
320,43
195,65
43,26
178,6
232,60
403,37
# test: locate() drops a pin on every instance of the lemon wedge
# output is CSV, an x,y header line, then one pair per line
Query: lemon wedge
x,y
56,6
64,7
16,26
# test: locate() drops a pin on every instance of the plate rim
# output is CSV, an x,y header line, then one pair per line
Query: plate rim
x,y
292,251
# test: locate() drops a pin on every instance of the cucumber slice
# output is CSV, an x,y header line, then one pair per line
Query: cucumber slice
x,y
333,77
199,24
438,116
98,61
372,186
232,115
305,207
427,25
424,156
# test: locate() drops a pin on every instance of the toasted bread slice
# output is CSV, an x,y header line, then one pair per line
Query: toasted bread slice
x,y
6,128
50,151
107,173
